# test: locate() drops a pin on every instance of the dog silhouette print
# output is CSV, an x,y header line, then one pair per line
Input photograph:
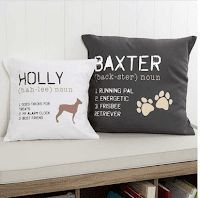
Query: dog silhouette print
x,y
69,108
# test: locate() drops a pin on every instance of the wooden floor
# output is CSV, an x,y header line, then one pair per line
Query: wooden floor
x,y
98,179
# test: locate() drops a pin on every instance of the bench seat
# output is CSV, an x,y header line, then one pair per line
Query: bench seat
x,y
36,160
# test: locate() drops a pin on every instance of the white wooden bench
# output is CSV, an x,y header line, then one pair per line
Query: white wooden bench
x,y
32,167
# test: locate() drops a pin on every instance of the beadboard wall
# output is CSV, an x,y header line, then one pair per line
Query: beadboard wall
x,y
52,28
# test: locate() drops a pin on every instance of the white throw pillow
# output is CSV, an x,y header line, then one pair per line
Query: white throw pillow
x,y
49,99
4,100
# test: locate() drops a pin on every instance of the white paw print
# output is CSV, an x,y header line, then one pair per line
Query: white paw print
x,y
145,106
163,100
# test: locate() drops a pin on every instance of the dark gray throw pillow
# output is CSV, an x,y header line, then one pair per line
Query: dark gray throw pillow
x,y
139,85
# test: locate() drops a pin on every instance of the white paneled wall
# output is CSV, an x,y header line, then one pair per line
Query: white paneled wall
x,y
52,28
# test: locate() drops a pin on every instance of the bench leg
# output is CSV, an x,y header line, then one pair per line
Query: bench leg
x,y
78,193
155,181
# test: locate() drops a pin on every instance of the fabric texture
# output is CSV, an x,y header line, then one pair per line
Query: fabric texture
x,y
139,85
4,101
49,99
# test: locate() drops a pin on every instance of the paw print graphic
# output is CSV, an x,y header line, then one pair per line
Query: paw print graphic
x,y
163,100
145,106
